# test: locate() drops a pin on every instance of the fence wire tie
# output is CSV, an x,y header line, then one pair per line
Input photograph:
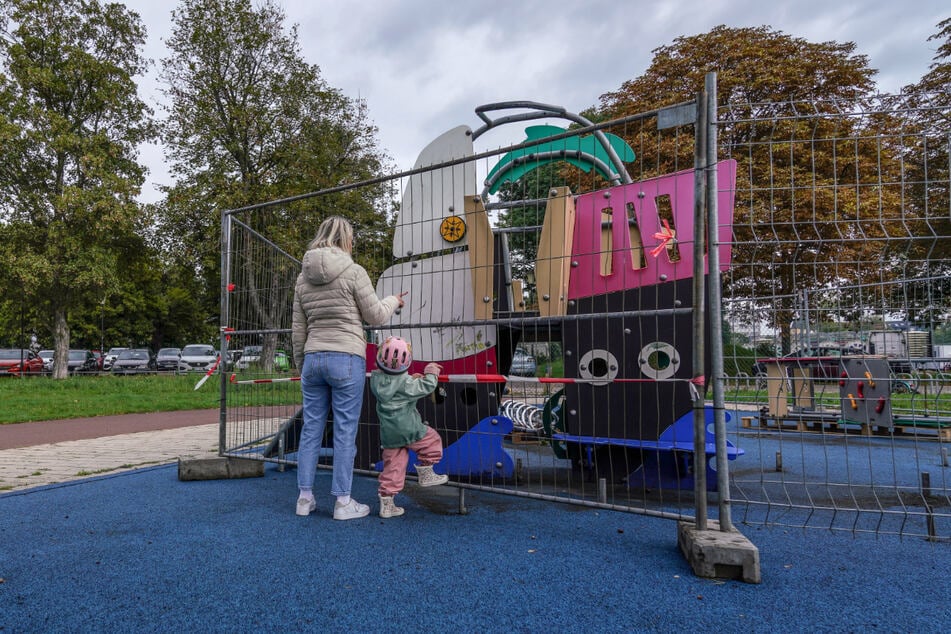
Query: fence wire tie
x,y
692,384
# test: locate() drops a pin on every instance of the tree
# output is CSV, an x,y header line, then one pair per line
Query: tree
x,y
249,121
523,246
809,213
70,123
929,113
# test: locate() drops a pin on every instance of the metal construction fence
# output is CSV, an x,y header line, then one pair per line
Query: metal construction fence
x,y
646,314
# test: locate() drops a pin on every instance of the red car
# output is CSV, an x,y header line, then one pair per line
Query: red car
x,y
16,361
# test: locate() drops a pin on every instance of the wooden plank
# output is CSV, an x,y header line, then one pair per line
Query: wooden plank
x,y
776,389
803,394
481,256
607,242
517,296
553,266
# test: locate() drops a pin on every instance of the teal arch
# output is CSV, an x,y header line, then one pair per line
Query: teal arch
x,y
586,146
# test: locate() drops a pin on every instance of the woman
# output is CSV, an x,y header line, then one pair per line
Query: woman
x,y
333,297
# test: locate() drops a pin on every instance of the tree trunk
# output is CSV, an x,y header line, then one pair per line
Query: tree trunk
x,y
60,344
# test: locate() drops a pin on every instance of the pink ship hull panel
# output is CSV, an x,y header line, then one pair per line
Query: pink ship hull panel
x,y
642,198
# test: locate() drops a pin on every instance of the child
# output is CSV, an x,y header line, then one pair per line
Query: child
x,y
401,426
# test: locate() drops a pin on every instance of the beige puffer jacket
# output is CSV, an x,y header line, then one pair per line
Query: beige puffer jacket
x,y
332,299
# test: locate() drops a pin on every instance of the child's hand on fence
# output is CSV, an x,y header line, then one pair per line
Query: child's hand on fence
x,y
432,368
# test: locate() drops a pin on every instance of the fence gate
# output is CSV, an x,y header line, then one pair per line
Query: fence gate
x,y
569,286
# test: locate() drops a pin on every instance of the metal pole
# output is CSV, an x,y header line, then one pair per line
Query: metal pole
x,y
223,322
22,342
699,304
716,307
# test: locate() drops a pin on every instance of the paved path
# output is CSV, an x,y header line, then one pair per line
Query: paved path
x,y
49,452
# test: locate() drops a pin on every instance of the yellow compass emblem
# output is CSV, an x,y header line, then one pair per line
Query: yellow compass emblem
x,y
452,228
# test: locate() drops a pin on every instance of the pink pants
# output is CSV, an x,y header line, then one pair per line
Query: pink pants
x,y
428,449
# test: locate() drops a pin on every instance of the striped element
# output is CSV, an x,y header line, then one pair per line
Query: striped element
x,y
487,378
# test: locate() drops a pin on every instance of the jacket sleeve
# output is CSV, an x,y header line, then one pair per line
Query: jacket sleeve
x,y
373,310
414,389
298,332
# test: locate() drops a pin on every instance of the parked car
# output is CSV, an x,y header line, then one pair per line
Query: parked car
x,y
47,356
110,357
199,357
250,354
523,364
20,361
133,361
234,355
81,362
170,360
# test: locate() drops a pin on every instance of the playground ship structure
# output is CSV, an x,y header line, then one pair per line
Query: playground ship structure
x,y
614,283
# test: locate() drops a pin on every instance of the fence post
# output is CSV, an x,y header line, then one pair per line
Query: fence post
x,y
716,305
222,323
699,305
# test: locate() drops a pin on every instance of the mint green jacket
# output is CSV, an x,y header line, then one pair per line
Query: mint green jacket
x,y
396,396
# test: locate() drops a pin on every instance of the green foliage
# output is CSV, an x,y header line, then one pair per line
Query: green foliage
x,y
70,123
932,195
249,121
523,247
784,236
739,360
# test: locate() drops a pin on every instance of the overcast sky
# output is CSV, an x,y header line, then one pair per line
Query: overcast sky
x,y
423,66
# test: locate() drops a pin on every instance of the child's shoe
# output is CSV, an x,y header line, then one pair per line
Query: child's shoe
x,y
388,507
350,511
429,478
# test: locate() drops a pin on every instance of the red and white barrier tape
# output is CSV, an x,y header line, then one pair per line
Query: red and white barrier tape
x,y
489,378
208,373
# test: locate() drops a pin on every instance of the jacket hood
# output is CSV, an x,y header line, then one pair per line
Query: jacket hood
x,y
324,265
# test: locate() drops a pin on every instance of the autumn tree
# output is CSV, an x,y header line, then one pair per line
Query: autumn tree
x,y
70,123
250,121
928,112
811,212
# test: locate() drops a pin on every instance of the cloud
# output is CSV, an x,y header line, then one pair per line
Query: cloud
x,y
423,66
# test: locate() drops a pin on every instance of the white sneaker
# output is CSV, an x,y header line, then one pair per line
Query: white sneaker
x,y
350,511
306,506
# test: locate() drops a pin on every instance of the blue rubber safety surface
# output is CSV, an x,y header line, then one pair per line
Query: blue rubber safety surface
x,y
141,551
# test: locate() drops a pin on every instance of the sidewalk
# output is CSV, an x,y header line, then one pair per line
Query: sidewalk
x,y
22,467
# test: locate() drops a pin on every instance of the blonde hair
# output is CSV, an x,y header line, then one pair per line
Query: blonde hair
x,y
335,231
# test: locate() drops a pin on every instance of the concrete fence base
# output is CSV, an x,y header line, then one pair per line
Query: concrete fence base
x,y
220,468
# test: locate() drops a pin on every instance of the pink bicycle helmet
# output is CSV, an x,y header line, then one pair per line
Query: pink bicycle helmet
x,y
394,356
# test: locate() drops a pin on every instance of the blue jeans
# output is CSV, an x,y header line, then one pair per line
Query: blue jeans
x,y
330,379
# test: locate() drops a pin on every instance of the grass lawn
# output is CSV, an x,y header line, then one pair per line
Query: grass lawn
x,y
41,398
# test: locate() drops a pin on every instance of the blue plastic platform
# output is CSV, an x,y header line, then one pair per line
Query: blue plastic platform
x,y
478,452
669,460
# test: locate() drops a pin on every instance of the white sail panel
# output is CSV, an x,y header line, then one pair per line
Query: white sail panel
x,y
440,292
431,196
